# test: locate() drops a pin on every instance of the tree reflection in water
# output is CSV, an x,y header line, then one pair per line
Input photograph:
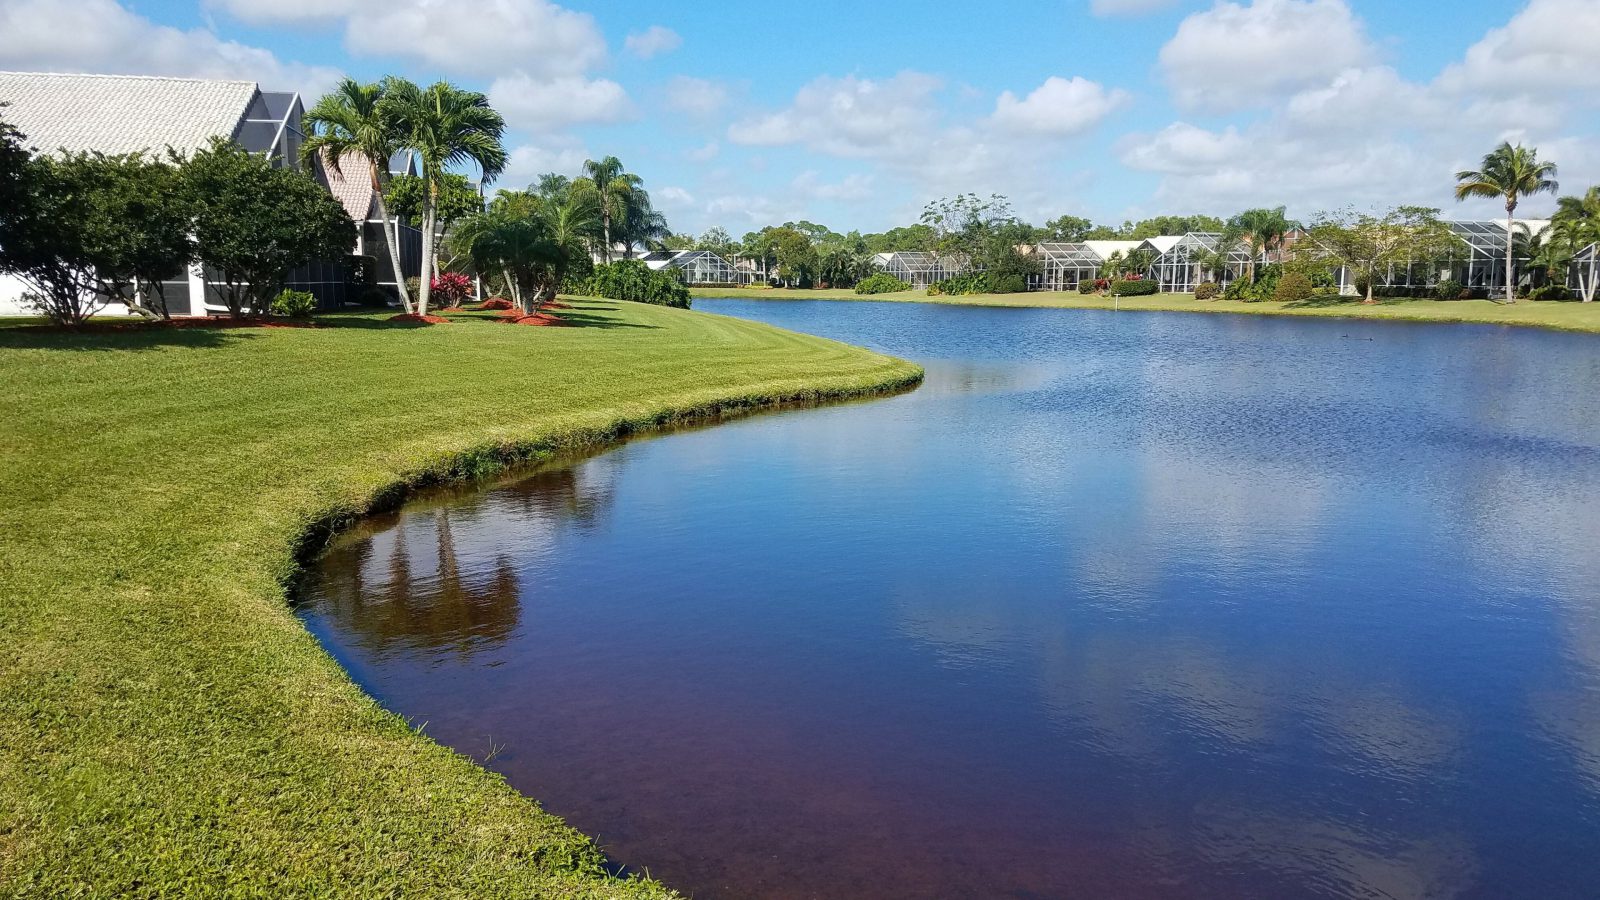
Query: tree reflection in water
x,y
444,579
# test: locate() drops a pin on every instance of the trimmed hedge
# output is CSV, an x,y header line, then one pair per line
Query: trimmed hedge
x,y
1134,287
1207,290
1293,287
630,279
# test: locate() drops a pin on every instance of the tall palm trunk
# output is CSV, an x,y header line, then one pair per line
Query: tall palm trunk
x,y
424,288
391,237
1511,225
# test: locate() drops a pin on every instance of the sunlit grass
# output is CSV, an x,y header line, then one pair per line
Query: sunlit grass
x,y
167,727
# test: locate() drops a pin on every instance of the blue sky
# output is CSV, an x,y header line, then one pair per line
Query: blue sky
x,y
856,114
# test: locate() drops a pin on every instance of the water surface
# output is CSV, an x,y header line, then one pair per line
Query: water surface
x,y
1133,605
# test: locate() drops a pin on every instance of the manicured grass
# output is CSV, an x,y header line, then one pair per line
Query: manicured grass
x,y
1562,316
167,727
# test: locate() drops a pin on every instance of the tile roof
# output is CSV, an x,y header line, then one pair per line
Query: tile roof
x,y
121,113
351,185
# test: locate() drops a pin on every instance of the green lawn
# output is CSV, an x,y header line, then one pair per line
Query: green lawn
x,y
1563,316
167,727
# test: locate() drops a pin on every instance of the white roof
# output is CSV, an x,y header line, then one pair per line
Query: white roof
x,y
1104,249
122,113
1163,243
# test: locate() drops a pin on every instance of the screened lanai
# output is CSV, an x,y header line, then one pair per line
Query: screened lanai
x,y
704,267
1182,265
1584,274
919,267
1481,263
1063,266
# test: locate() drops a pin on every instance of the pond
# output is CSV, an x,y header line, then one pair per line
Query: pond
x,y
1135,605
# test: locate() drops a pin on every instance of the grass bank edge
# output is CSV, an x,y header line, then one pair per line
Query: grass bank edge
x,y
1564,316
536,848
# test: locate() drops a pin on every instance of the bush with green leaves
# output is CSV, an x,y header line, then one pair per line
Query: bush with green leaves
x,y
1207,290
1450,289
1550,292
630,279
1087,286
294,304
881,283
1293,287
1134,287
1013,283
969,283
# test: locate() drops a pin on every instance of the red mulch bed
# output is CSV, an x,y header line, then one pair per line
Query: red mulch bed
x,y
497,303
535,319
452,310
420,320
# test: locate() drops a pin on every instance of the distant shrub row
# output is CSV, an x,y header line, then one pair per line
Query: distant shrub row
x,y
881,283
1134,287
630,279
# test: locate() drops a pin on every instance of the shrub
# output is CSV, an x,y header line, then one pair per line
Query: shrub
x,y
413,287
630,279
1010,284
294,304
1207,290
449,289
970,283
881,283
1293,287
1134,287
1450,289
1550,292
1086,286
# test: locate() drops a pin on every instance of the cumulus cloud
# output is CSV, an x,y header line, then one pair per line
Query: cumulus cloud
x,y
849,116
528,102
1105,8
480,37
704,153
103,36
276,12
697,97
525,163
653,41
855,186
1548,46
1059,107
1235,56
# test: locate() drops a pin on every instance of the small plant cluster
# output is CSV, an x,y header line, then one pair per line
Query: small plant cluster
x,y
294,304
1207,290
881,283
630,279
451,288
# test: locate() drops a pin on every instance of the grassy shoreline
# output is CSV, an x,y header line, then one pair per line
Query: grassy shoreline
x,y
1584,317
167,726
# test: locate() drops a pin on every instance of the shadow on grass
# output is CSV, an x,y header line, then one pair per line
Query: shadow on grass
x,y
577,318
47,337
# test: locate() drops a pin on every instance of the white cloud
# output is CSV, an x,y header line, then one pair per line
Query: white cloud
x,y
1233,56
525,163
672,195
102,36
1059,107
1105,8
855,186
528,102
1363,98
697,97
1184,149
1549,46
272,12
705,153
480,37
849,116
653,41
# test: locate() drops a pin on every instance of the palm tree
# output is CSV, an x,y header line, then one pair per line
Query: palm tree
x,y
446,126
1263,229
1577,221
352,120
1512,173
613,187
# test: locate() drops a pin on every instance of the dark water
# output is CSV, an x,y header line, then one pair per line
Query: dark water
x,y
1116,605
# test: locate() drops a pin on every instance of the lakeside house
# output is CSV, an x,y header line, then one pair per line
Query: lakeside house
x,y
117,114
699,267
